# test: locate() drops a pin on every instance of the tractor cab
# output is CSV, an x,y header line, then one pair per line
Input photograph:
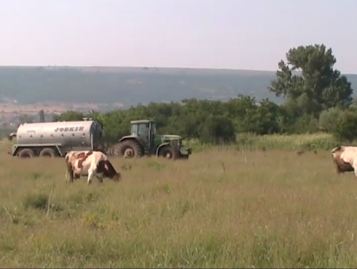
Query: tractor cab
x,y
145,131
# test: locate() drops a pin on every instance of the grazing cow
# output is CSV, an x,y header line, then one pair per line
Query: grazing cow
x,y
90,163
345,159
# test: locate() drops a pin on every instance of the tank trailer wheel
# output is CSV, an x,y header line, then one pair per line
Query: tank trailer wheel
x,y
168,153
129,149
26,153
48,152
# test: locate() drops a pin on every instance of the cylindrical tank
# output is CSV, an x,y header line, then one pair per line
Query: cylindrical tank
x,y
65,133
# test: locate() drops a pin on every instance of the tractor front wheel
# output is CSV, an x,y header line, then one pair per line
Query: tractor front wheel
x,y
168,153
129,149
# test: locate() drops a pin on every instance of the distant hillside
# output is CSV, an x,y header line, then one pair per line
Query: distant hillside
x,y
130,86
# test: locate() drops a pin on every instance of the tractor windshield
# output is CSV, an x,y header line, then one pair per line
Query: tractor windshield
x,y
176,142
134,129
153,128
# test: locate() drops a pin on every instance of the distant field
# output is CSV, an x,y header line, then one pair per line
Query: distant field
x,y
221,208
35,108
129,86
163,70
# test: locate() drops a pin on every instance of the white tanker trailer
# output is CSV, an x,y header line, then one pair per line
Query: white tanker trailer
x,y
55,139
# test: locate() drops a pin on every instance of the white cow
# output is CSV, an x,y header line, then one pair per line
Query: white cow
x,y
90,163
345,159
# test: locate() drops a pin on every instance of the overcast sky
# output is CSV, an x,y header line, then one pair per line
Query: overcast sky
x,y
236,34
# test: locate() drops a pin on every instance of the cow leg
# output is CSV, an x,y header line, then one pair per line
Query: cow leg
x,y
69,173
76,176
355,167
100,178
337,167
355,171
69,177
89,179
91,173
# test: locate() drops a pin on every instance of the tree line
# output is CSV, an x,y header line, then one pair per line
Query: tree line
x,y
316,98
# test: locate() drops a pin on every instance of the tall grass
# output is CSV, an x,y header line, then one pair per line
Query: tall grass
x,y
225,208
303,142
317,141
247,141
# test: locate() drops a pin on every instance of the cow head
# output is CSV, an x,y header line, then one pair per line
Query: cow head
x,y
340,165
108,170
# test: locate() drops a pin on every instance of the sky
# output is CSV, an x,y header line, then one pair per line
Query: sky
x,y
231,34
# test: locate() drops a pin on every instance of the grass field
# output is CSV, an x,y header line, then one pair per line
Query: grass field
x,y
222,208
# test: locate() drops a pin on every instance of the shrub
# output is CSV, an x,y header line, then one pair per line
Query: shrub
x,y
330,118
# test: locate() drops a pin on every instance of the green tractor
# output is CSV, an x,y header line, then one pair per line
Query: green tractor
x,y
143,140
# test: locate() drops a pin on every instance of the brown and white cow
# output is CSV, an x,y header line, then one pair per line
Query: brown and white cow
x,y
90,163
345,159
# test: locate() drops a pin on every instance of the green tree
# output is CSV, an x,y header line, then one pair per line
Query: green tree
x,y
217,130
346,128
266,118
116,125
242,110
69,116
309,79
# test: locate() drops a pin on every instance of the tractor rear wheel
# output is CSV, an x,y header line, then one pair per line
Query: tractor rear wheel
x,y
129,149
168,153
